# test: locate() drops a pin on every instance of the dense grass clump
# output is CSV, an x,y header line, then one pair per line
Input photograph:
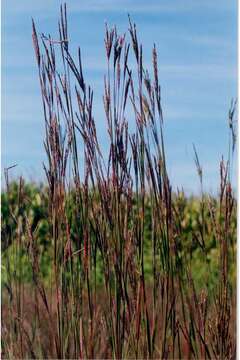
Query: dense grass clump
x,y
105,260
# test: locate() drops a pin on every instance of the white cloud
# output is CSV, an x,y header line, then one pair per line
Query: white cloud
x,y
197,71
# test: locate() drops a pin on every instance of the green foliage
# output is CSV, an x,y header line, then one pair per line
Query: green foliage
x,y
34,207
22,204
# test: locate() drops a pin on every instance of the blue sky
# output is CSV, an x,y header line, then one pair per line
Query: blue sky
x,y
197,48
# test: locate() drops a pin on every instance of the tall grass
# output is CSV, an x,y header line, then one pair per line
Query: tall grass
x,y
123,210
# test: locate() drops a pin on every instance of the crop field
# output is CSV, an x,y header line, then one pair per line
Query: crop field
x,y
105,260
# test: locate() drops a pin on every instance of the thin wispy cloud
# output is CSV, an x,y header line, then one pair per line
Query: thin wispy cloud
x,y
150,6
